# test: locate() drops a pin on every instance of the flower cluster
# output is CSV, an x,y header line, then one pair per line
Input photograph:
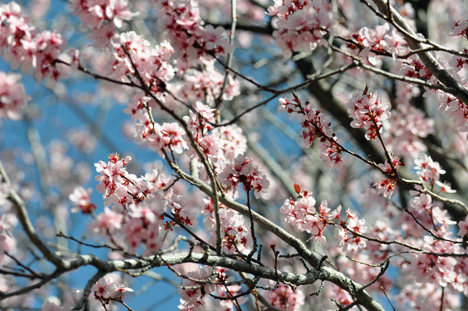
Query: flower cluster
x,y
225,143
198,284
372,43
368,112
459,28
303,215
205,84
242,171
12,96
102,17
387,185
108,288
236,235
301,24
81,198
413,68
160,137
138,206
436,269
134,55
22,44
316,125
406,127
455,108
187,33
349,230
429,172
285,298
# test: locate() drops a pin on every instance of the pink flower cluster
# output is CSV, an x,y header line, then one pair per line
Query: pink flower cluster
x,y
22,44
12,96
108,288
235,231
138,205
387,185
316,125
285,298
303,215
371,43
349,230
151,62
430,171
166,136
220,145
198,284
187,33
455,108
242,171
205,84
413,68
301,24
438,269
102,17
459,28
368,112
81,198
406,127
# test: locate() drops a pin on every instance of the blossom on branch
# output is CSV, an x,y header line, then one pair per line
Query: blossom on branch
x,y
81,198
243,171
368,112
316,126
12,96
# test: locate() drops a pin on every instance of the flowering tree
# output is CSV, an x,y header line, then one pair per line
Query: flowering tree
x,y
273,155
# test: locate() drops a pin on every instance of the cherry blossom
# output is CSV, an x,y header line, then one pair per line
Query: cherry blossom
x,y
21,44
197,80
285,298
81,198
368,112
236,234
243,171
428,170
303,215
301,24
315,125
108,288
12,96
102,17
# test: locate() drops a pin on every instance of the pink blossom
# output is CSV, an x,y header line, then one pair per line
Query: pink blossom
x,y
193,299
108,288
102,16
191,39
108,221
236,234
349,231
303,215
242,171
301,25
316,125
463,227
428,170
368,112
12,96
405,128
285,298
22,44
81,199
